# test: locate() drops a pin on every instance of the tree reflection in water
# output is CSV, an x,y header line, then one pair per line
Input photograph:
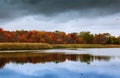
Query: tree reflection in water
x,y
33,57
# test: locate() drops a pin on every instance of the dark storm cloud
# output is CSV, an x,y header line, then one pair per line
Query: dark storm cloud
x,y
11,9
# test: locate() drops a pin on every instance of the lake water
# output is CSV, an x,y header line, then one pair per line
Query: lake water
x,y
61,63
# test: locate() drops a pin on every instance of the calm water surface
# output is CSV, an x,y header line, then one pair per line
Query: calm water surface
x,y
61,63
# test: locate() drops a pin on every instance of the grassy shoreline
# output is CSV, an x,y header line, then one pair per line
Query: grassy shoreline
x,y
85,46
40,46
24,46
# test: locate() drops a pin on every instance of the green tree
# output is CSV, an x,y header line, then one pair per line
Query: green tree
x,y
87,37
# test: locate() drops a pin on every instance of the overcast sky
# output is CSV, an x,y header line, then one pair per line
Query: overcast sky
x,y
96,16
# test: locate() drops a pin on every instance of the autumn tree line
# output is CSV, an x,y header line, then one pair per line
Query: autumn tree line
x,y
57,37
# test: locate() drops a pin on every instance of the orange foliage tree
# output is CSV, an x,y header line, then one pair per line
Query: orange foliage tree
x,y
57,37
